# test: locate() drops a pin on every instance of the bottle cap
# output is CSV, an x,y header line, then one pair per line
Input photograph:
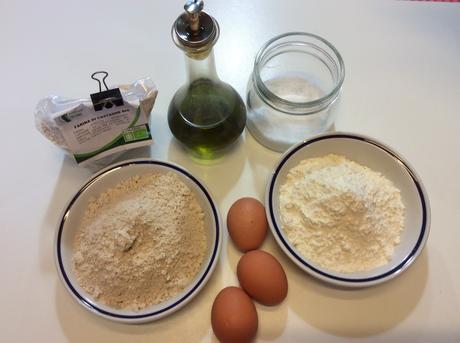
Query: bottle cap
x,y
195,31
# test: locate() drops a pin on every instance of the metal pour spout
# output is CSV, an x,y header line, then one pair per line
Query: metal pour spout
x,y
195,31
193,8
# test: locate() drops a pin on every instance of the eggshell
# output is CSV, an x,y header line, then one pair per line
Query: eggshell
x,y
234,316
262,277
247,223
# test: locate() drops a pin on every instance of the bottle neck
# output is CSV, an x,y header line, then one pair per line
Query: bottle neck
x,y
204,68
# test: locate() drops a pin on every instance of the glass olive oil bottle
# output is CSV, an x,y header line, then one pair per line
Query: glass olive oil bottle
x,y
206,115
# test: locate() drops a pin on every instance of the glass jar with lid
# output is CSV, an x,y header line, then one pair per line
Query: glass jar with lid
x,y
294,89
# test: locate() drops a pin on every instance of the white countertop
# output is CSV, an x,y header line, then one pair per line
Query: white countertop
x,y
402,86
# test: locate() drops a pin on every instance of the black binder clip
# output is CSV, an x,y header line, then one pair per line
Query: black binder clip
x,y
108,98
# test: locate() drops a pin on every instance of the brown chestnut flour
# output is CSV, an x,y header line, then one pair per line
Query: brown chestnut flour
x,y
141,242
341,215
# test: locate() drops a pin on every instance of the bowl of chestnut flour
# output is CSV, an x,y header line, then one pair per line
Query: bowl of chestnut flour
x,y
138,241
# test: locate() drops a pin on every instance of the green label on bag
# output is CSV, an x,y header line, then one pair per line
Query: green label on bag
x,y
136,133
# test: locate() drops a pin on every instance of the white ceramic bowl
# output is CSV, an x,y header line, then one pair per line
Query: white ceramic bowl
x,y
71,219
379,157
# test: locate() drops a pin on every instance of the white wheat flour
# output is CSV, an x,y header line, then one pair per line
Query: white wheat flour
x,y
341,215
141,242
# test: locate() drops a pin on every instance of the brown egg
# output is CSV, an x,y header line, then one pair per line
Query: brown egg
x,y
234,316
247,223
262,277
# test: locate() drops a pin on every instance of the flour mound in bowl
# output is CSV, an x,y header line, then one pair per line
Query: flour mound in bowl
x,y
141,242
341,215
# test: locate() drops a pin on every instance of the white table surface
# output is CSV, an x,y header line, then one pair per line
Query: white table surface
x,y
402,86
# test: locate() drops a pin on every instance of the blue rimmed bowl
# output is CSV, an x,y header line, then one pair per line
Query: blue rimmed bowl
x,y
71,220
379,157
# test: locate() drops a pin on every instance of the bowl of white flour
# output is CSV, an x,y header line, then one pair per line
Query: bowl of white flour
x,y
138,241
348,209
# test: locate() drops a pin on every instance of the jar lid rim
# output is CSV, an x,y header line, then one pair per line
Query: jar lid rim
x,y
270,96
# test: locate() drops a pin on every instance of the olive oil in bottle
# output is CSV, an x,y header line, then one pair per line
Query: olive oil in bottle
x,y
206,115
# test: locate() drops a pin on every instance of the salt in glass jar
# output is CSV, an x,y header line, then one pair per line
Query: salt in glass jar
x,y
294,89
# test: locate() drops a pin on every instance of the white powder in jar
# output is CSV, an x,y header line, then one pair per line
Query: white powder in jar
x,y
278,130
141,242
341,215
